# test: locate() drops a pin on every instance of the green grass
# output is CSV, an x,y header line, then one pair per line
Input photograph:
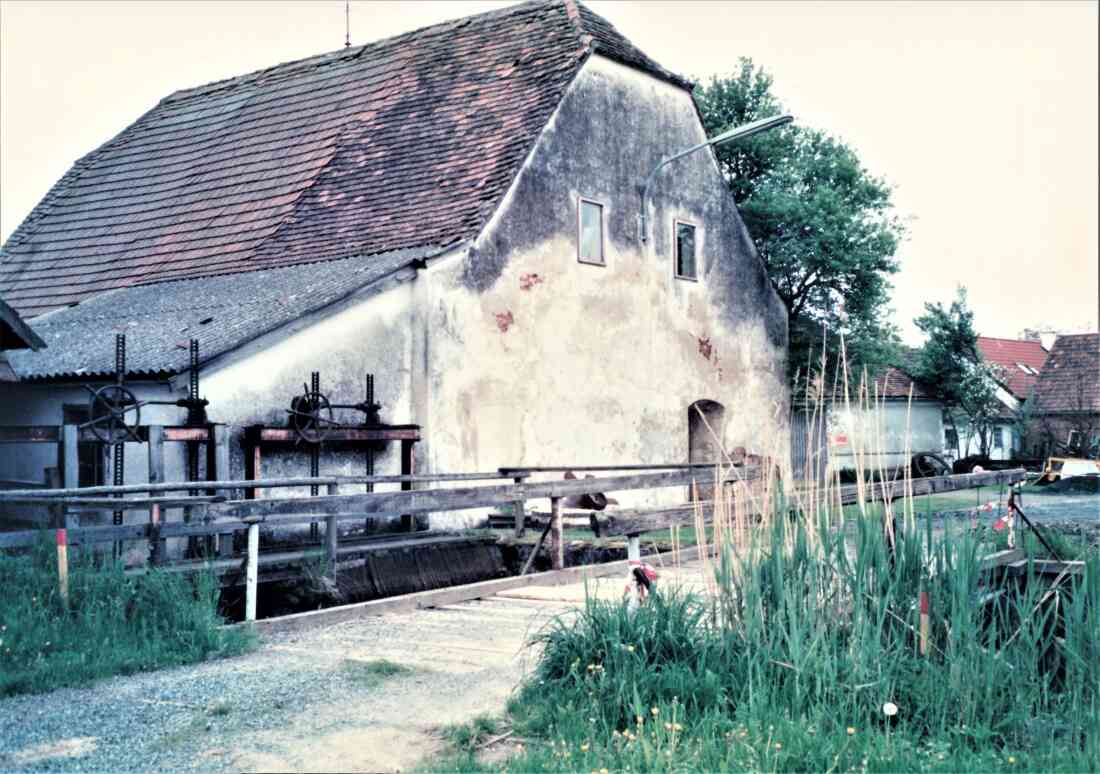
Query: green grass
x,y
114,623
368,674
466,737
789,667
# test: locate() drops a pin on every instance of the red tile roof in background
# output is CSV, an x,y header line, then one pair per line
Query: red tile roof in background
x,y
1008,354
399,144
896,383
1070,380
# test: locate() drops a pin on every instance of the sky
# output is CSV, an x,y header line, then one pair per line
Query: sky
x,y
982,115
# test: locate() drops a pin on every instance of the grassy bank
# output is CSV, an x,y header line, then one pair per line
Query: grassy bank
x,y
798,657
113,624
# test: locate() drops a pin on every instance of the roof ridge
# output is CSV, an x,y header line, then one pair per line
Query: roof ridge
x,y
342,55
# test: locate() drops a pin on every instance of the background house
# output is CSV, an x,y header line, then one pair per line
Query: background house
x,y
1064,411
454,210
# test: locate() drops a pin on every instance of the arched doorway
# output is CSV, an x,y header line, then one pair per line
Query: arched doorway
x,y
705,424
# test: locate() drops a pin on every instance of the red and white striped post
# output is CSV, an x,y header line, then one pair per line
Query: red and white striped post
x,y
925,605
63,565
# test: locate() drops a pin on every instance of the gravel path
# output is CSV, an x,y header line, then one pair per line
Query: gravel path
x,y
298,703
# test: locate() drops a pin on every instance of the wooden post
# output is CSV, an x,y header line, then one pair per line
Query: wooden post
x,y
63,565
557,542
159,549
408,521
633,548
69,463
925,612
217,454
520,513
57,512
252,572
331,535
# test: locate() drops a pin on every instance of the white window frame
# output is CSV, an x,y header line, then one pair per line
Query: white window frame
x,y
581,201
676,223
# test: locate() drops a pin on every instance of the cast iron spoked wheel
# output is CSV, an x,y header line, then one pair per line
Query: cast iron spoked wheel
x,y
311,416
108,409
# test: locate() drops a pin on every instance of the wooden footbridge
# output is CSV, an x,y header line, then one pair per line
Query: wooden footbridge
x,y
214,518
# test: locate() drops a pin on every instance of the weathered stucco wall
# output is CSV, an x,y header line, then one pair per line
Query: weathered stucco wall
x,y
532,358
371,333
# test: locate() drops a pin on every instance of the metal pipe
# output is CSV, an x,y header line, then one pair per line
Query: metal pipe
x,y
736,133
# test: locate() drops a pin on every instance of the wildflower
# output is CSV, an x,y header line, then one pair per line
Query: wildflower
x,y
629,649
654,711
778,746
616,733
668,726
640,719
677,727
1011,759
584,747
889,709
851,730
603,771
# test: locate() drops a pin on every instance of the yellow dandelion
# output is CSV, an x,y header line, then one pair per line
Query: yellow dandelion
x,y
629,649
584,748
778,746
603,771
1011,759
654,711
851,730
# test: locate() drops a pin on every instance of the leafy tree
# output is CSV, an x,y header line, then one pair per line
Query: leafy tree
x,y
954,370
823,225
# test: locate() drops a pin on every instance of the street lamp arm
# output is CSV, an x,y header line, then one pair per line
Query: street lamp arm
x,y
736,133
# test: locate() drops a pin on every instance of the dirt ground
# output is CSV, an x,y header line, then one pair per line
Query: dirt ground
x,y
302,701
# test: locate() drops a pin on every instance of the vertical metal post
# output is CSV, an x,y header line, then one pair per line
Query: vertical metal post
x,y
252,572
314,457
557,547
370,449
119,449
193,415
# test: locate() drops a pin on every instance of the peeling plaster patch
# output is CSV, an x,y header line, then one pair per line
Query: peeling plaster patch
x,y
505,320
705,347
528,281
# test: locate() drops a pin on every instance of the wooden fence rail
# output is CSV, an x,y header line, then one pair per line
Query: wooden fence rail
x,y
637,521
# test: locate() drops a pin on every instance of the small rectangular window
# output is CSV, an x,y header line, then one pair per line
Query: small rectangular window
x,y
590,236
686,267
998,438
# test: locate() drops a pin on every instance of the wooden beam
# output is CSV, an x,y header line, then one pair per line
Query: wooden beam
x,y
428,500
438,597
277,435
272,483
30,434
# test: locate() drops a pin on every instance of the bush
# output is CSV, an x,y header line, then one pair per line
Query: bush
x,y
114,623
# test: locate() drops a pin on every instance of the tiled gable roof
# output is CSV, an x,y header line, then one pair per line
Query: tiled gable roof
x,y
1070,379
1010,354
401,144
